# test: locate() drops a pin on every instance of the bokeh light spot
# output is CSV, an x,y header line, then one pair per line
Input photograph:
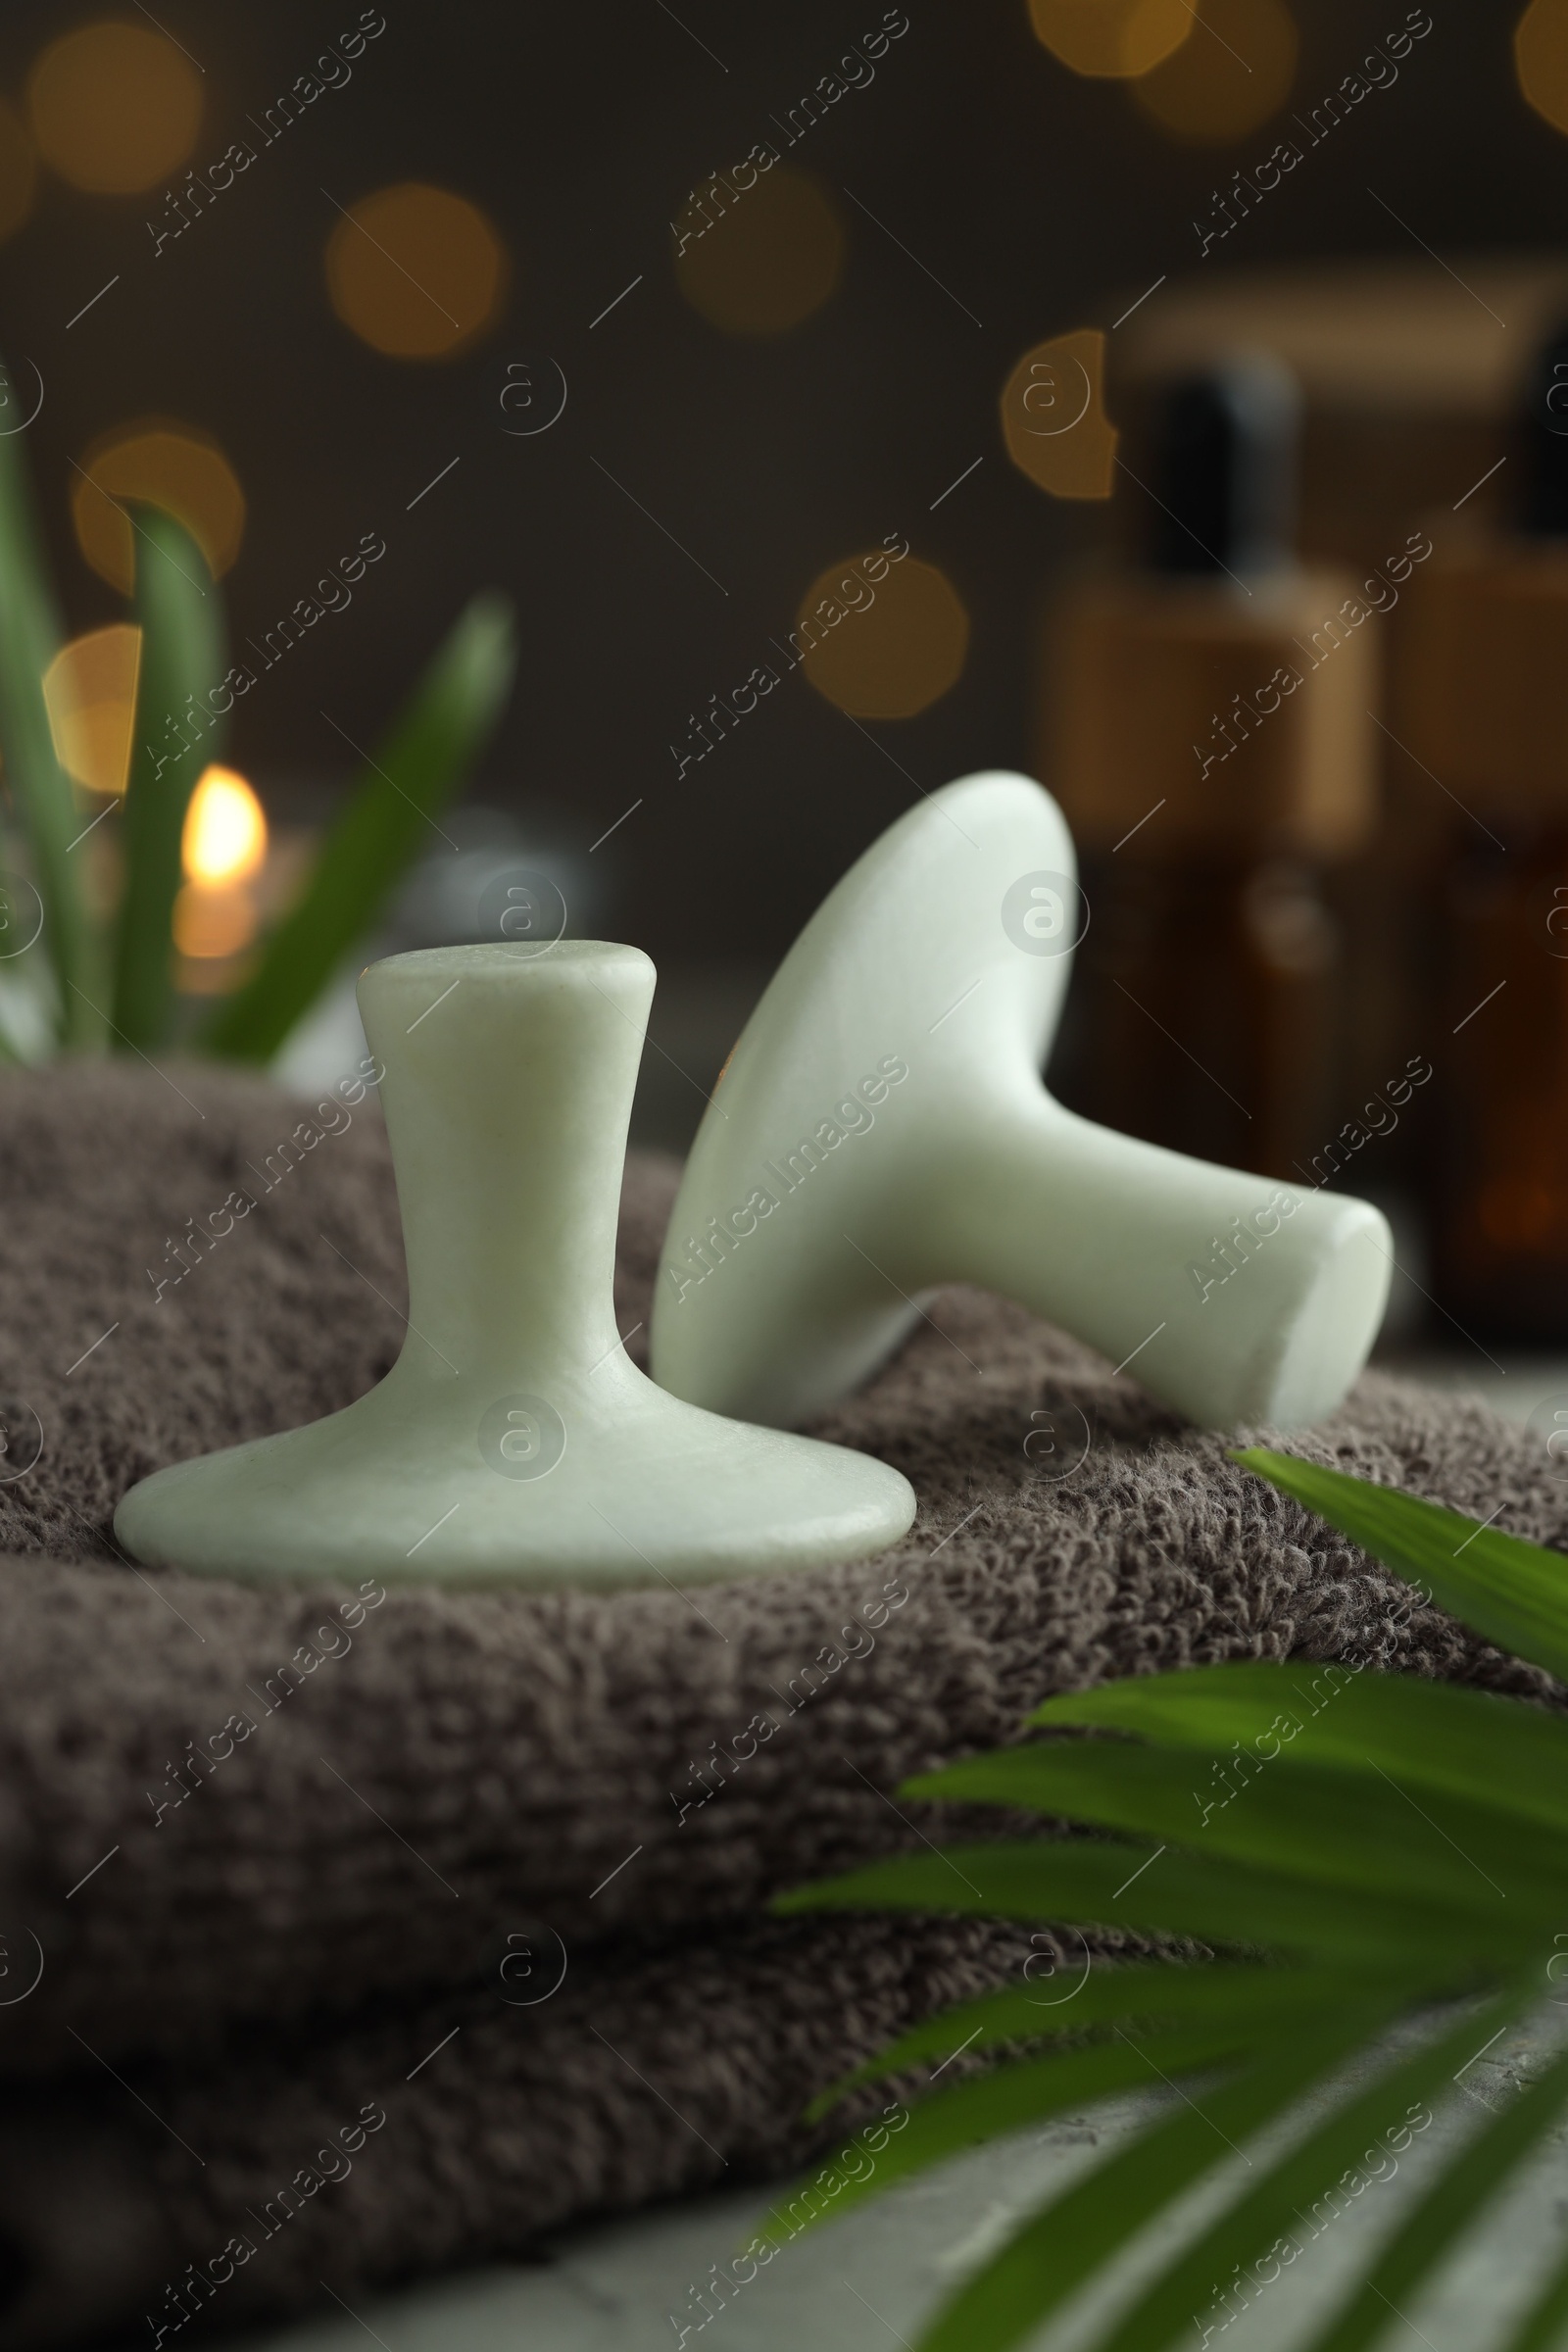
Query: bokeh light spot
x,y
883,648
1232,72
161,465
416,272
1053,418
224,839
89,689
1118,37
758,260
1541,59
115,108
19,170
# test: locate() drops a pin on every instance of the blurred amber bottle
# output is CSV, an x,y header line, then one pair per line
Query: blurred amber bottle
x,y
1482,702
1206,728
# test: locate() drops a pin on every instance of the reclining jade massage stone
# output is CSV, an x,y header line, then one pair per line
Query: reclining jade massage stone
x,y
881,1129
514,1441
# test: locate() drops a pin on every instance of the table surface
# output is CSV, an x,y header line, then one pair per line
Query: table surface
x,y
872,2278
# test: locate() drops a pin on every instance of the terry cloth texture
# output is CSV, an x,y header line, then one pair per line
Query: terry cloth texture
x,y
493,1869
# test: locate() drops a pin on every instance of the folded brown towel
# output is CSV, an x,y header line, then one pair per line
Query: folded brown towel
x,y
289,1860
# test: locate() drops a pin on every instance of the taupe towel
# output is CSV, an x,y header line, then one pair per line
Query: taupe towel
x,y
263,1898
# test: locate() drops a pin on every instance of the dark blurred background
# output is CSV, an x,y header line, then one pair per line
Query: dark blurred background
x,y
986,197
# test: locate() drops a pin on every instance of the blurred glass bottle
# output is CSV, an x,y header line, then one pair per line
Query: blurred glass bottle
x,y
1481,703
1206,728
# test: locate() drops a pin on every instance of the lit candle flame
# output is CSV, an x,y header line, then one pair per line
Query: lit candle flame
x,y
224,840
223,846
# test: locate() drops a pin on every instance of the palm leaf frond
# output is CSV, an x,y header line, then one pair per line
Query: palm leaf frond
x,y
984,2105
387,820
1058,2249
1131,1994
1309,2171
180,616
1546,2318
1073,1883
30,638
1449,2205
1514,1593
1331,1823
1378,1849
1434,1735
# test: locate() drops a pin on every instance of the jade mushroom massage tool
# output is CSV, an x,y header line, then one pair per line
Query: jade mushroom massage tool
x,y
514,1441
881,1129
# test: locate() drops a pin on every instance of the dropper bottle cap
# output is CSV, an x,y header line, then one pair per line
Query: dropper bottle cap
x,y
1219,682
1225,466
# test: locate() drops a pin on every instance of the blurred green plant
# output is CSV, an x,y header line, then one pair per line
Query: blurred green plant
x,y
41,802
90,983
176,610
435,738
1365,1850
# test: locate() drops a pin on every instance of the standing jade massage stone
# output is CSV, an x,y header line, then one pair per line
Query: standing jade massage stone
x,y
881,1129
514,1441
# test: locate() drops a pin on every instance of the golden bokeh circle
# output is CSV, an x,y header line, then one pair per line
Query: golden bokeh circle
x,y
416,272
1234,71
89,691
883,648
759,259
115,108
19,170
1120,38
1054,417
1541,59
157,463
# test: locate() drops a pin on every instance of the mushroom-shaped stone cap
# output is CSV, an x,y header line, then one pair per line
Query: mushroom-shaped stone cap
x,y
881,1129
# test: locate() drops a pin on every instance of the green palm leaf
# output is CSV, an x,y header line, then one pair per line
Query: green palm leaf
x,y
1309,2171
29,639
1545,2319
1379,1844
1025,2093
1333,1823
1056,2250
1514,1593
1434,1735
1474,2177
1136,1993
1117,1885
180,616
388,819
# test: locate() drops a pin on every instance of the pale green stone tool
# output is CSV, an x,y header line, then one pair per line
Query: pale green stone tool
x,y
514,1441
881,1129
